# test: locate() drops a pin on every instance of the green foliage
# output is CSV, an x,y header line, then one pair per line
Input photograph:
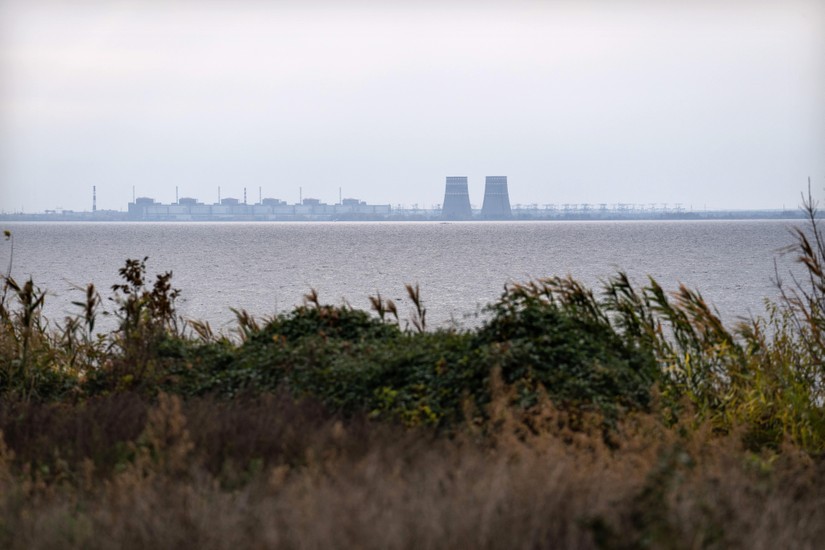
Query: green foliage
x,y
35,361
352,362
23,328
146,322
325,321
553,334
617,350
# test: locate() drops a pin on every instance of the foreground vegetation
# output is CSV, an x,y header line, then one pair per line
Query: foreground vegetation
x,y
623,418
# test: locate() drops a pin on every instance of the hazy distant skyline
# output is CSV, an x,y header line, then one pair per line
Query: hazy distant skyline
x,y
707,104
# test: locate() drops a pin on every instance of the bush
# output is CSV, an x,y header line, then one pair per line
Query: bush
x,y
581,360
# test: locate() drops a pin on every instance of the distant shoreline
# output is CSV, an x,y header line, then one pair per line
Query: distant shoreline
x,y
417,215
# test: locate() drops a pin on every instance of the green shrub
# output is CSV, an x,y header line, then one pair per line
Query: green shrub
x,y
579,359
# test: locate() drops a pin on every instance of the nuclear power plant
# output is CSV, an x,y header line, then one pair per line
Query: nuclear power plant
x,y
456,207
496,204
456,199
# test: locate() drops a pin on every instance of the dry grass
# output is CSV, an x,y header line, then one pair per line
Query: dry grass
x,y
270,472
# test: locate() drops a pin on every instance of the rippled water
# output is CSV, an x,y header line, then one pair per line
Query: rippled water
x,y
267,267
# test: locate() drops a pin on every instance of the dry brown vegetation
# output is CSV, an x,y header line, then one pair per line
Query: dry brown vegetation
x,y
272,472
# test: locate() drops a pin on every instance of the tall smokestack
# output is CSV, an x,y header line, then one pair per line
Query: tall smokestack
x,y
496,199
244,195
176,195
456,199
94,198
219,194
260,196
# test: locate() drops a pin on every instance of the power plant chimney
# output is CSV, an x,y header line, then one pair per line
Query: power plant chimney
x,y
244,195
94,198
496,199
456,199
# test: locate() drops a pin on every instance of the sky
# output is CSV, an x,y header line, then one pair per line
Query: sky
x,y
711,105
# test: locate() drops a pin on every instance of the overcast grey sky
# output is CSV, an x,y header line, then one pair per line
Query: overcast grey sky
x,y
708,104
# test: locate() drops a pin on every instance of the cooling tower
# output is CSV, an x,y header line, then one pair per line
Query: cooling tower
x,y
496,199
456,199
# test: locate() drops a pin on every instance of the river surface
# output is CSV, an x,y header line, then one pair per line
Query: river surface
x,y
267,267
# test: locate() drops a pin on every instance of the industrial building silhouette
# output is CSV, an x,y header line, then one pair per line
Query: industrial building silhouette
x,y
266,209
456,199
496,204
496,199
456,206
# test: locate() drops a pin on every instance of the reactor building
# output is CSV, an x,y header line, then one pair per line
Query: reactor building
x,y
456,199
267,209
496,199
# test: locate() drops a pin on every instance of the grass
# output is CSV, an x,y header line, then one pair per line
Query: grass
x,y
270,471
623,417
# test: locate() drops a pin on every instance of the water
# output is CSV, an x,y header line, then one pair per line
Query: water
x,y
268,267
